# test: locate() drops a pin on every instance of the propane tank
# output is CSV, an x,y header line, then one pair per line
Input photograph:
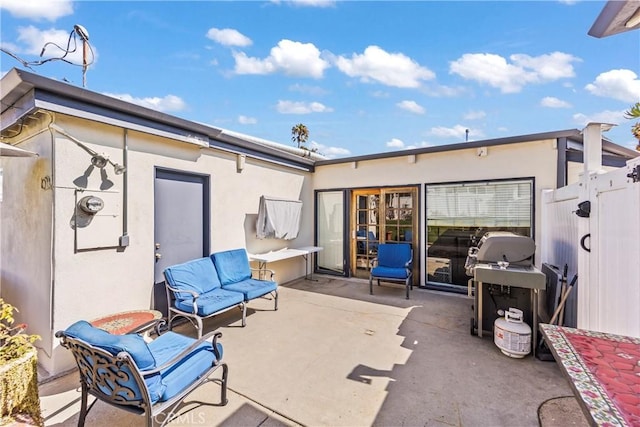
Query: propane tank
x,y
512,335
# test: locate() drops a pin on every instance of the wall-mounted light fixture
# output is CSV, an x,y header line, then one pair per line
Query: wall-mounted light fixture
x,y
240,160
91,204
97,160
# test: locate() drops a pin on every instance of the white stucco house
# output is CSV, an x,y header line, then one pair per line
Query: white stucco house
x,y
166,190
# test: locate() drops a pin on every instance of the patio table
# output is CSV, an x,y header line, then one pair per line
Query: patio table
x,y
126,321
304,252
603,371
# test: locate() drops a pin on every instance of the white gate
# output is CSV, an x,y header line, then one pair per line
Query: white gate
x,y
605,245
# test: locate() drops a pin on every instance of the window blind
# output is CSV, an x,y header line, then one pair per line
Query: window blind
x,y
484,204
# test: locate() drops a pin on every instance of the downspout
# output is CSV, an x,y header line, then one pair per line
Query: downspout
x,y
124,239
49,184
562,167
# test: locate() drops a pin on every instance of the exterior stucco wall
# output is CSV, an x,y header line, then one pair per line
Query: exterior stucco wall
x,y
26,237
91,276
531,159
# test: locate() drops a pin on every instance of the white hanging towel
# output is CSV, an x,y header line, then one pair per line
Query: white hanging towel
x,y
278,218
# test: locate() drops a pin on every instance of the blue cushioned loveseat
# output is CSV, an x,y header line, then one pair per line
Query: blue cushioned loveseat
x,y
204,287
145,378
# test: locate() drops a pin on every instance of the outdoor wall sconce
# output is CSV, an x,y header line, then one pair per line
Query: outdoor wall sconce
x,y
100,161
240,162
97,160
91,204
584,209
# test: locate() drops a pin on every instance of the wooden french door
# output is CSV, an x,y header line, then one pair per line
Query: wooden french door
x,y
381,215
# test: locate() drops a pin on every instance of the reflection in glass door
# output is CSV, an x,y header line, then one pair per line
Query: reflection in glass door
x,y
330,229
381,215
366,237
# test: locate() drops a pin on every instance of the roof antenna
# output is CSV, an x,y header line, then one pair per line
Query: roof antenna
x,y
466,135
84,35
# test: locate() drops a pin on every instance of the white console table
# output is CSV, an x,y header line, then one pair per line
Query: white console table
x,y
305,252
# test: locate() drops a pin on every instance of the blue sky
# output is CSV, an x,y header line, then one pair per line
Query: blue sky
x,y
364,77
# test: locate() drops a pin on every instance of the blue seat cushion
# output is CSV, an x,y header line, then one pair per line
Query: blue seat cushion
x,y
211,302
133,344
394,255
232,266
198,275
391,273
191,367
252,288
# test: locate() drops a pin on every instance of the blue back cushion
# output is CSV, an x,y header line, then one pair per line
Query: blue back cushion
x,y
198,275
131,343
233,266
394,255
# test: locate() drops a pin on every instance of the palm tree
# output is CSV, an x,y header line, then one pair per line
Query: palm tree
x,y
300,135
634,113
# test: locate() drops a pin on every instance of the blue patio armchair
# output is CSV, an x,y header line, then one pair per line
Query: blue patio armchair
x,y
149,379
394,263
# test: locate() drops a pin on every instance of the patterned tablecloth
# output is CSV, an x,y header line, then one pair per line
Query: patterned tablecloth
x,y
125,322
604,372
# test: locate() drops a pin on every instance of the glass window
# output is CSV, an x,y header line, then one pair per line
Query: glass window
x,y
459,214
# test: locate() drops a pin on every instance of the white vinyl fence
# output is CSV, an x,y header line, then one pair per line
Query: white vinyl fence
x,y
603,249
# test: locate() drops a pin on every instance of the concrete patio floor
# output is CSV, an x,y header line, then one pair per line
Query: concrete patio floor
x,y
333,355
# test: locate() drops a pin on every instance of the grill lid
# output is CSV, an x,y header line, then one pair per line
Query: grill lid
x,y
503,245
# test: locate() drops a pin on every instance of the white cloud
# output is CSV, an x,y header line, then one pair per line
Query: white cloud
x,y
380,94
411,106
445,91
553,102
309,90
33,40
475,115
391,69
289,57
606,116
622,85
307,3
244,120
228,37
164,104
458,132
395,143
495,71
38,9
296,107
329,152
419,145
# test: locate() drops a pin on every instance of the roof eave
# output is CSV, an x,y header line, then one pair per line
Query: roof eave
x,y
614,17
569,133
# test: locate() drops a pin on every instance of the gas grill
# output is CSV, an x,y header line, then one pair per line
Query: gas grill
x,y
501,247
503,276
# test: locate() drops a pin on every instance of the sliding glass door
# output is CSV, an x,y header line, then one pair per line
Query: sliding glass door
x,y
330,230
